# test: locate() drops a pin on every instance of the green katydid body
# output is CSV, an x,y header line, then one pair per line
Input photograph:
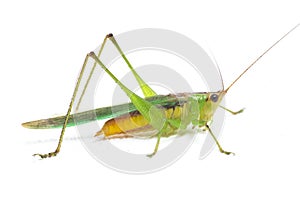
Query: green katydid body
x,y
163,113
192,108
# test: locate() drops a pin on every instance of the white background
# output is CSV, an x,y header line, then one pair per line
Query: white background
x,y
42,48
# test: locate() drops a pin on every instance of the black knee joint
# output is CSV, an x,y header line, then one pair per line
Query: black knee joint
x,y
109,35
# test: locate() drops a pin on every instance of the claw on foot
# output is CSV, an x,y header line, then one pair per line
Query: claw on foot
x,y
48,155
227,152
151,155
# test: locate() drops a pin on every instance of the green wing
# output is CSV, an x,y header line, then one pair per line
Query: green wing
x,y
102,113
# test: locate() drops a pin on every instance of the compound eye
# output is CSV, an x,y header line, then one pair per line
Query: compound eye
x,y
214,98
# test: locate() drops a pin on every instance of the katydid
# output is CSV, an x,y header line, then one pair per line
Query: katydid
x,y
152,116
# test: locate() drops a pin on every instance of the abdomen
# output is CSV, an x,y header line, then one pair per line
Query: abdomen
x,y
134,124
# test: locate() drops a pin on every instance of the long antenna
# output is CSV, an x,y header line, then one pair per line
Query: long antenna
x,y
257,59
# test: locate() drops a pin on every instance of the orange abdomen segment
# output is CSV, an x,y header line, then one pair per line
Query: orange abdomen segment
x,y
132,122
123,124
